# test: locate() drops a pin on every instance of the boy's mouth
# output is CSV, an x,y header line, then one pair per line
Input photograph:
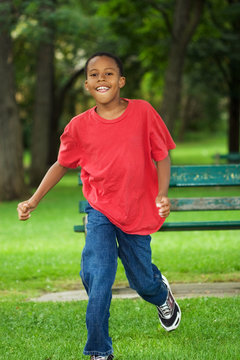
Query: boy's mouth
x,y
102,89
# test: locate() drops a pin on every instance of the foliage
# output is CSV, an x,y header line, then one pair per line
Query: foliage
x,y
139,32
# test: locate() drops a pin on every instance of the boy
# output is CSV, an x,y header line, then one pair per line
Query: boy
x,y
116,144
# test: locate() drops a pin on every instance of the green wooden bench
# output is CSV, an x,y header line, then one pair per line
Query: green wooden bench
x,y
198,176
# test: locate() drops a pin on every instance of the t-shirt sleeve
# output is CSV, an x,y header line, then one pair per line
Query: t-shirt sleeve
x,y
69,151
160,138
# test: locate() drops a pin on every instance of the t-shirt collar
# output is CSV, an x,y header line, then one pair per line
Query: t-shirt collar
x,y
120,118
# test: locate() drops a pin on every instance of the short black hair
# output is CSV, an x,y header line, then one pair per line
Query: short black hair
x,y
103,53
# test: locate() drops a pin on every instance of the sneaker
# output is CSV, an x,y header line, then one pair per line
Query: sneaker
x,y
96,357
169,313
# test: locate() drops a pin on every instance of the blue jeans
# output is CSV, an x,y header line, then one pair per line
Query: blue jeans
x,y
104,243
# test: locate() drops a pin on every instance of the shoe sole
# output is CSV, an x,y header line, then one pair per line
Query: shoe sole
x,y
179,315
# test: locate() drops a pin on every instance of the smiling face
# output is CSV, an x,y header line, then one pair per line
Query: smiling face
x,y
104,80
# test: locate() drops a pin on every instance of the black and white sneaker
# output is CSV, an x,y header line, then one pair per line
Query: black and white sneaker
x,y
97,357
169,313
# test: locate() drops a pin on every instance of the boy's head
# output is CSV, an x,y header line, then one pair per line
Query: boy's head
x,y
102,53
104,78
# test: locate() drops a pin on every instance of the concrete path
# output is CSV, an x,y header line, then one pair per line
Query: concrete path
x,y
180,291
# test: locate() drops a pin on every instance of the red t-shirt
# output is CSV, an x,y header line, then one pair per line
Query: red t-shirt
x,y
116,158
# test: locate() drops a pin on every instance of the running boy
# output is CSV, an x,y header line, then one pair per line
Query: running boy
x,y
122,148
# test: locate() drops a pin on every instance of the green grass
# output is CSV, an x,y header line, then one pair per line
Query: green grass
x,y
56,331
43,255
200,149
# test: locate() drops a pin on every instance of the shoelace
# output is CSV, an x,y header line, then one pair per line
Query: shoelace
x,y
166,311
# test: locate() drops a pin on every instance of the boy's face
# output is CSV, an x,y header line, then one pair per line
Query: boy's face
x,y
103,80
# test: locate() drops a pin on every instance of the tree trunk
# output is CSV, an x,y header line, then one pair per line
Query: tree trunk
x,y
42,114
186,18
234,91
11,151
185,117
234,110
43,103
58,105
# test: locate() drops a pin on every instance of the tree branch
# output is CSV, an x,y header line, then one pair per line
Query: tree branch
x,y
222,69
195,14
60,98
214,19
164,13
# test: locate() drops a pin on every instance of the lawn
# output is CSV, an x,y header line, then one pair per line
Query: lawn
x,y
56,331
43,255
199,149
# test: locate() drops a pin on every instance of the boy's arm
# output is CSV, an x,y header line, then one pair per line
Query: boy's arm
x,y
52,177
162,200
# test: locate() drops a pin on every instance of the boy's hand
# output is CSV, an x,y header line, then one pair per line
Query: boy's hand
x,y
163,205
52,177
24,209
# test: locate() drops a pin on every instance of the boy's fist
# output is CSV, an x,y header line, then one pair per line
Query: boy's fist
x,y
24,209
163,205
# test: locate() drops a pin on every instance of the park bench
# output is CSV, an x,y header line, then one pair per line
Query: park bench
x,y
197,176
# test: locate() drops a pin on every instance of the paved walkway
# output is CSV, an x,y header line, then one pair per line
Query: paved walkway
x,y
180,291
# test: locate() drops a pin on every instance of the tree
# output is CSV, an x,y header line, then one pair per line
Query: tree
x,y
44,93
11,165
187,15
234,81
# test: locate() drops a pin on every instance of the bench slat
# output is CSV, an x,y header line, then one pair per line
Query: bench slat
x,y
206,225
189,226
82,206
205,204
194,204
79,228
205,175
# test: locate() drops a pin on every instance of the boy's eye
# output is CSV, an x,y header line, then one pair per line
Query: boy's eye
x,y
96,74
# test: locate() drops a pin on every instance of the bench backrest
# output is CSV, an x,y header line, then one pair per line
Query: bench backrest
x,y
193,176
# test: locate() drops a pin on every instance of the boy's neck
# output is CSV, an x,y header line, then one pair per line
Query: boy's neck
x,y
112,111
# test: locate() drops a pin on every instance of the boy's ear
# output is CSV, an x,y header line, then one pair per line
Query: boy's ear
x,y
86,85
122,82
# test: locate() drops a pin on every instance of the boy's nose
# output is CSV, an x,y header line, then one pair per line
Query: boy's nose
x,y
102,76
